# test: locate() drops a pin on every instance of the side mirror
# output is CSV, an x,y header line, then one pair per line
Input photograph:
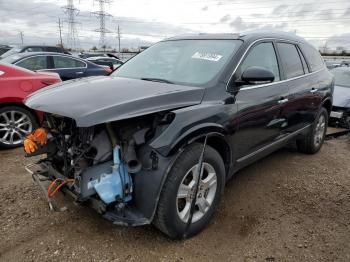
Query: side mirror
x,y
256,75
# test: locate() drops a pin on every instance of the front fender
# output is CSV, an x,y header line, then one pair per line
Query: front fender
x,y
190,122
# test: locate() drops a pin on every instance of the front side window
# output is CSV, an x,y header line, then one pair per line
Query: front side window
x,y
183,62
290,58
34,63
262,55
67,62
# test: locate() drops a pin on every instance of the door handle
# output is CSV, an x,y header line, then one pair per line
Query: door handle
x,y
283,100
313,90
79,73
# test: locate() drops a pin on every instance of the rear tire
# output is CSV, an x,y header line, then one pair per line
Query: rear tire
x,y
15,124
313,141
177,193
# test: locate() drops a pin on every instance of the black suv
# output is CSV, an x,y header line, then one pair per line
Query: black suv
x,y
32,48
156,141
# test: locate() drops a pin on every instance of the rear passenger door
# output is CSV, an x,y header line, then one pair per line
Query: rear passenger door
x,y
302,100
69,67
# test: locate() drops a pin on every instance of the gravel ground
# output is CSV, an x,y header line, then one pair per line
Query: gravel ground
x,y
286,207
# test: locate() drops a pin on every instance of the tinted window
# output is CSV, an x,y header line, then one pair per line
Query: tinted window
x,y
52,49
313,57
33,49
67,62
34,63
263,55
290,60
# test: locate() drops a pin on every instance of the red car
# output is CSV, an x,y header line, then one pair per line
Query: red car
x,y
17,120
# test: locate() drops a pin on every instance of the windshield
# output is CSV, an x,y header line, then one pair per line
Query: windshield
x,y
184,62
12,51
342,76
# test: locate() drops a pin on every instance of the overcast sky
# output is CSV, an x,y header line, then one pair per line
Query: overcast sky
x,y
143,22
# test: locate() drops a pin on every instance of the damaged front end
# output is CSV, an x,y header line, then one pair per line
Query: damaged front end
x,y
110,166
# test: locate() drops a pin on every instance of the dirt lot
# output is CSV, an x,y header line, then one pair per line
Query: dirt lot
x,y
287,207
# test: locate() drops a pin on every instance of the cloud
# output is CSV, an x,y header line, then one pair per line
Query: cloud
x,y
225,18
205,8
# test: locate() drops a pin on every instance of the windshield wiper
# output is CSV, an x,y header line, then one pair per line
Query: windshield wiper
x,y
157,80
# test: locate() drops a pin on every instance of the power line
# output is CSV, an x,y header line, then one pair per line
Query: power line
x,y
101,14
72,36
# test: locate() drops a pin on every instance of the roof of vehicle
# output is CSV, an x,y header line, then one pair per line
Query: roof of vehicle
x,y
248,35
101,57
17,56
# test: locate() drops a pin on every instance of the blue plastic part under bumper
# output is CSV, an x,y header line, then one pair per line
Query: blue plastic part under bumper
x,y
112,187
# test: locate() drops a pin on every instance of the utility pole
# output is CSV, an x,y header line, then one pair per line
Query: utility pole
x,y
119,40
21,35
60,29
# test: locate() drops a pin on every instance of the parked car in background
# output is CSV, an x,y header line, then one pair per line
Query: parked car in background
x,y
340,115
102,60
17,120
67,66
32,48
88,55
4,49
156,141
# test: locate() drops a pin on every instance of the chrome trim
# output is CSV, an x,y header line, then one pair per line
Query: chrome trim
x,y
280,141
50,69
263,85
2,73
282,81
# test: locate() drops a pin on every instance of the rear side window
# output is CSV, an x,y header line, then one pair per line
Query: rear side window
x,y
33,49
262,55
291,62
67,62
34,63
52,49
313,57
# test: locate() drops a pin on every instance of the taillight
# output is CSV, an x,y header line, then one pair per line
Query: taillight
x,y
108,70
49,81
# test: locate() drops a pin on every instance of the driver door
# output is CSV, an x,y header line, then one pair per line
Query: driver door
x,y
261,106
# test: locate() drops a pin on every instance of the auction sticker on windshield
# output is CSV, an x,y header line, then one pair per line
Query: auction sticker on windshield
x,y
207,56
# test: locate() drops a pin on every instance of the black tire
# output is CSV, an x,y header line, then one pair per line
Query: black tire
x,y
21,110
307,144
167,218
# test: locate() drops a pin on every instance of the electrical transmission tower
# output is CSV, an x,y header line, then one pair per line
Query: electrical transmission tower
x,y
72,36
101,14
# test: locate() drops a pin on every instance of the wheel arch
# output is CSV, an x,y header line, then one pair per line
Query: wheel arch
x,y
38,116
327,104
216,139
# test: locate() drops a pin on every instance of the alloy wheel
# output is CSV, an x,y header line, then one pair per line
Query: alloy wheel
x,y
205,196
14,127
320,130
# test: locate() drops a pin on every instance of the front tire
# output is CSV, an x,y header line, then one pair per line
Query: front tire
x,y
15,124
178,192
313,141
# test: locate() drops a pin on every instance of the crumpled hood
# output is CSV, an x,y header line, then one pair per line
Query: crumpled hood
x,y
341,96
96,100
